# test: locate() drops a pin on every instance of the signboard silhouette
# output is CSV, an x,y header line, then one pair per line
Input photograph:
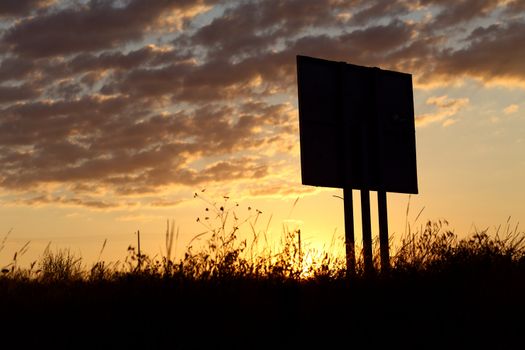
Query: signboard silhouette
x,y
357,131
357,127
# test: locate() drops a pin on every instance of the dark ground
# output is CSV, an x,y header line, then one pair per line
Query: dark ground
x,y
456,309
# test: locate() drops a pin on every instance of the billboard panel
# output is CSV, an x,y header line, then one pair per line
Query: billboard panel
x,y
357,126
319,122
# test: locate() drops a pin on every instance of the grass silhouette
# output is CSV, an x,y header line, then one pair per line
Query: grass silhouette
x,y
442,291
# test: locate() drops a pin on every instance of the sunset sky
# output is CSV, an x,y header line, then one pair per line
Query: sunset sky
x,y
114,113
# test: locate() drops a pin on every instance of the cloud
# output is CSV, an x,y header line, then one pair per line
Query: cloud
x,y
97,140
94,26
14,69
449,122
163,202
68,201
252,27
490,53
446,108
17,93
515,8
377,10
455,12
114,99
21,7
513,108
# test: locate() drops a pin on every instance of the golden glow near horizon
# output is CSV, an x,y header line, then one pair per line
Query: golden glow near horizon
x,y
110,125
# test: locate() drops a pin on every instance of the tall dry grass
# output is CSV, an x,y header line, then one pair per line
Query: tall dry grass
x,y
237,248
231,289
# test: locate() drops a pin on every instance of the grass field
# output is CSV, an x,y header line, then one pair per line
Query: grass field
x,y
441,292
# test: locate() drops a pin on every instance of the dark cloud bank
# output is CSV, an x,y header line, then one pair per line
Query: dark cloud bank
x,y
135,96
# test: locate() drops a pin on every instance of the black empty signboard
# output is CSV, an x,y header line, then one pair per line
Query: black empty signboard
x,y
357,126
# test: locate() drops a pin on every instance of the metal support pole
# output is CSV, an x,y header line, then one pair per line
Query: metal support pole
x,y
349,231
383,231
139,262
367,231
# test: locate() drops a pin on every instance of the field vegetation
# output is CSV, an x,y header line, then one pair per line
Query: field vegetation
x,y
441,292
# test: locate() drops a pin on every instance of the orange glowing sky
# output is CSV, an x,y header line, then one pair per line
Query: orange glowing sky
x,y
114,113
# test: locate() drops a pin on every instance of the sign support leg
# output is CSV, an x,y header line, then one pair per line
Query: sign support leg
x,y
349,231
367,231
383,231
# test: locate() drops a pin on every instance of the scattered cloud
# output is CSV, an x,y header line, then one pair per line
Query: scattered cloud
x,y
455,12
513,108
449,122
94,26
22,7
112,99
490,53
68,202
445,109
